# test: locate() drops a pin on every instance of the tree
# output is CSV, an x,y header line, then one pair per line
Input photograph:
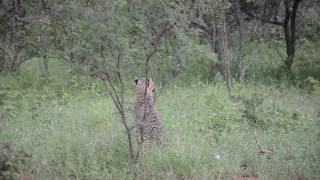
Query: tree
x,y
18,32
112,38
210,16
289,26
12,37
269,11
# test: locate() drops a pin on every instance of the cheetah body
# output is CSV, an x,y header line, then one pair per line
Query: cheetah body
x,y
150,128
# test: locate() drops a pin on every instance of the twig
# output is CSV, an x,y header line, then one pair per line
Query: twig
x,y
103,74
261,149
264,20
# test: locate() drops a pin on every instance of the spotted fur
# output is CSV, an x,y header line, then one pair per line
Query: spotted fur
x,y
150,128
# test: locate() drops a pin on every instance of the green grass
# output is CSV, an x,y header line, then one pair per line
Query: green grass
x,y
74,132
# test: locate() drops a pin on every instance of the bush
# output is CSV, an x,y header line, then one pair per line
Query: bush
x,y
13,162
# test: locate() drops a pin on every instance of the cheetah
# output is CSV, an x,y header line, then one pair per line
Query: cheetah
x,y
150,128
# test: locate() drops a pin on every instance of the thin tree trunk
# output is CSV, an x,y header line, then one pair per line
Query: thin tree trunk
x,y
43,66
213,48
289,27
218,40
226,64
217,47
240,67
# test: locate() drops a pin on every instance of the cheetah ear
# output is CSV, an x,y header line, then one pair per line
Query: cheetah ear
x,y
150,83
150,80
136,80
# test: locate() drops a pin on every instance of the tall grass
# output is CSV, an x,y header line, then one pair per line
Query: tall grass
x,y
74,132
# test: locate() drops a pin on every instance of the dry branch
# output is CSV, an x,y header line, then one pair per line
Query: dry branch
x,y
262,150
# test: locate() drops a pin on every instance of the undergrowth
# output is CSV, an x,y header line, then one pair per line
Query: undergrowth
x,y
68,128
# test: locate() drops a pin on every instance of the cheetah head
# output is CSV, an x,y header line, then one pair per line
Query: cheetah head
x,y
141,84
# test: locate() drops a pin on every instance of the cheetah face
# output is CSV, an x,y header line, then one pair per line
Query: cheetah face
x,y
141,84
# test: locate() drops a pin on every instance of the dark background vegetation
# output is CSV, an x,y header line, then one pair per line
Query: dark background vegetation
x,y
238,88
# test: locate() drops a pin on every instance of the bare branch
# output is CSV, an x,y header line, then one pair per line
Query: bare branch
x,y
119,77
201,26
264,20
34,19
103,74
262,150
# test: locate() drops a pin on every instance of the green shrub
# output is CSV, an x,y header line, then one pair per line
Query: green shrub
x,y
13,162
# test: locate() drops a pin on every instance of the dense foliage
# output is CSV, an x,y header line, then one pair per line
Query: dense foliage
x,y
238,88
